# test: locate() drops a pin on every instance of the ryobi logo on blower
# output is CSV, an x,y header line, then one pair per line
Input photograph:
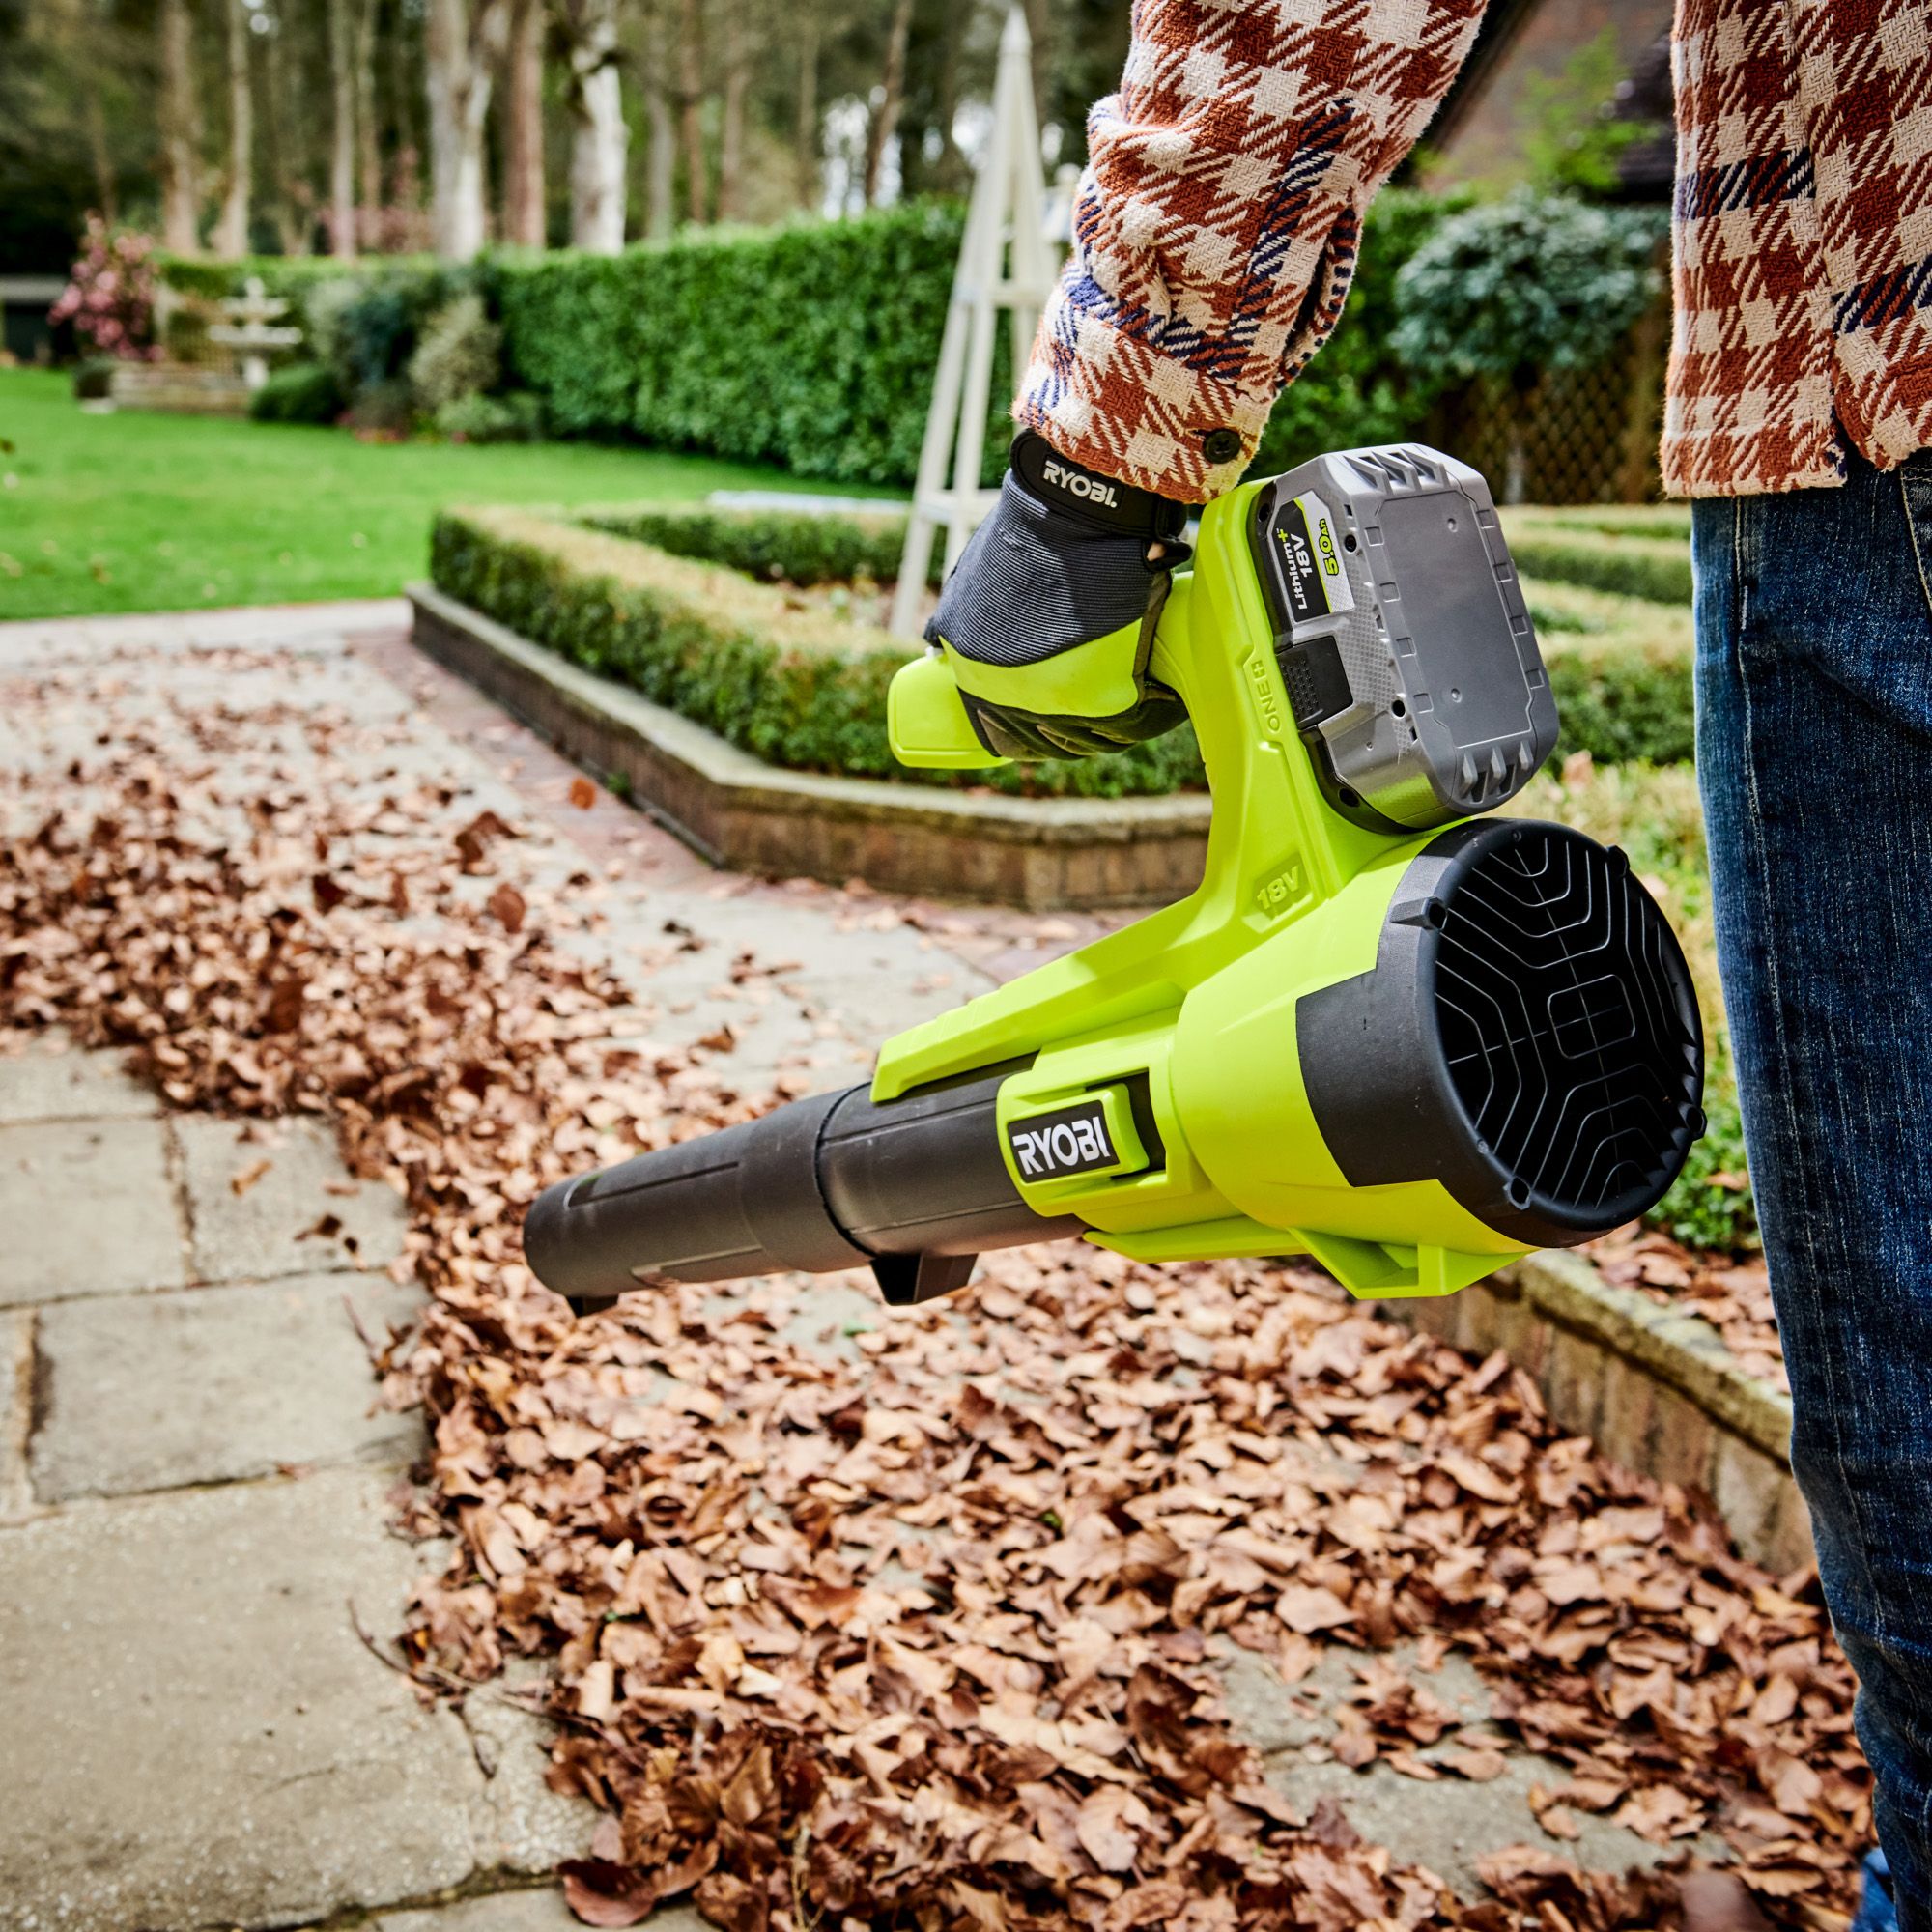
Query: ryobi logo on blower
x,y
1072,1141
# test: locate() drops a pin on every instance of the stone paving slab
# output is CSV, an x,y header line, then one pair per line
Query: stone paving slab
x,y
291,1180
190,1733
89,1208
520,1824
213,1384
51,1081
1448,1824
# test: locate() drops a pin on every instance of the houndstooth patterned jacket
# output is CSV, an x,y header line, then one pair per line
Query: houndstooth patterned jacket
x,y
1217,224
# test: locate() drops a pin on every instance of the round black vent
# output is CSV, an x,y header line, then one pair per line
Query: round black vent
x,y
1528,1037
1568,1024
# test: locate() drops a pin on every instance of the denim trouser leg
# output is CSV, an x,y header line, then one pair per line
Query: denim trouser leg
x,y
1814,746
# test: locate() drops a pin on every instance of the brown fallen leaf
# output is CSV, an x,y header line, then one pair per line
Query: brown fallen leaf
x,y
582,793
243,1180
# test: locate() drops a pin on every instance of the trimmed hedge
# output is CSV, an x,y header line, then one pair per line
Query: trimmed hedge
x,y
801,687
1620,669
289,276
810,346
658,599
794,547
1652,567
798,689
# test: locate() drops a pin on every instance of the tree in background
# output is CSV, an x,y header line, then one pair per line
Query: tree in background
x,y
232,229
525,209
463,45
180,130
599,138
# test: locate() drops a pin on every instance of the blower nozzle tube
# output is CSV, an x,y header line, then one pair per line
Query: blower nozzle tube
x,y
913,1188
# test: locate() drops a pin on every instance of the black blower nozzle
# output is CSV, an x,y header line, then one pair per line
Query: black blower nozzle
x,y
914,1189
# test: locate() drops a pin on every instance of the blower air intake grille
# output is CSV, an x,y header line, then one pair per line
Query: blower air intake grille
x,y
1528,1037
1567,1025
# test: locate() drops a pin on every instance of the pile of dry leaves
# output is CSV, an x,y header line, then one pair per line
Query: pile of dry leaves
x,y
918,1634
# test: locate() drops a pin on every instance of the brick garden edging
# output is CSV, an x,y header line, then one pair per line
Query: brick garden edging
x,y
1654,1386
1039,853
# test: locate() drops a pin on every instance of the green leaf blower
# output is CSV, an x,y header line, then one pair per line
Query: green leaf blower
x,y
1409,1041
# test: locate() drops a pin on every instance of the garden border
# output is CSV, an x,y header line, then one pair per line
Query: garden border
x,y
1042,854
1654,1385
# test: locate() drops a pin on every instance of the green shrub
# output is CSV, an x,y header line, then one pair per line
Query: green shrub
x,y
291,276
810,346
517,417
1537,281
93,378
791,547
1658,568
1710,1206
458,353
305,392
365,326
1624,705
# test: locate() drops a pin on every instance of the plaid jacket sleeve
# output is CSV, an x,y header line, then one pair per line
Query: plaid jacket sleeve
x,y
1216,226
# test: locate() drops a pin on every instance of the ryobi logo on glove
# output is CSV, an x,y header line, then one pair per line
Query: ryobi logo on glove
x,y
1077,483
1072,1141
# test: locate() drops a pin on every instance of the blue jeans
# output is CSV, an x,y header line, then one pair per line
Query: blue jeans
x,y
1814,754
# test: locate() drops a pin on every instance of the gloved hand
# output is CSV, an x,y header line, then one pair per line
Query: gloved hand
x,y
1049,620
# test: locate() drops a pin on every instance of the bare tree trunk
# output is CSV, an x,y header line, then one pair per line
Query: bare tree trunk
x,y
661,165
463,44
181,159
885,122
731,129
523,199
342,131
690,99
369,153
805,129
231,230
600,141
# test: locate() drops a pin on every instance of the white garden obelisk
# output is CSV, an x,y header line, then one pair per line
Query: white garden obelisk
x,y
1005,261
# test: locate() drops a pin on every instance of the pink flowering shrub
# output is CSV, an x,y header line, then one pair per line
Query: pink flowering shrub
x,y
110,293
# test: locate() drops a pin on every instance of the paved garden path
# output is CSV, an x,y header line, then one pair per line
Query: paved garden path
x,y
196,1571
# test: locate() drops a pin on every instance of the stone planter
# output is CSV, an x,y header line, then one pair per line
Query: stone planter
x,y
738,812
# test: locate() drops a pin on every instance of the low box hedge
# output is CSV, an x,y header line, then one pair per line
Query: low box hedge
x,y
1652,565
669,602
1620,669
794,547
796,684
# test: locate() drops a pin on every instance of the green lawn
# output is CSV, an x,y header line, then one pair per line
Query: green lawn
x,y
134,512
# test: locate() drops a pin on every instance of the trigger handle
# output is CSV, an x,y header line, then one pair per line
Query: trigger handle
x,y
927,724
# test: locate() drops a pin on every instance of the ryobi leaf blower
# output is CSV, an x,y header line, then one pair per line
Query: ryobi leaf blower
x,y
1410,1042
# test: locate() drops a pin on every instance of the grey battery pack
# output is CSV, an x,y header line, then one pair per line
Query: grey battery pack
x,y
1408,658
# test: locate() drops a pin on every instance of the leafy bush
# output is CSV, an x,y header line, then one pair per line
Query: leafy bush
x,y
458,353
1624,705
800,688
791,547
305,392
365,328
517,417
1514,287
810,346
